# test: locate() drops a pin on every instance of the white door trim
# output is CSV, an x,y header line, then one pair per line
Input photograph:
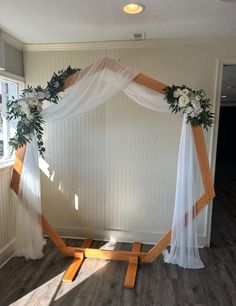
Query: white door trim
x,y
213,152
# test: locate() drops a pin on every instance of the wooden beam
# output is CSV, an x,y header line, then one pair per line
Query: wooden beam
x,y
17,169
203,161
153,84
76,264
52,233
104,254
131,273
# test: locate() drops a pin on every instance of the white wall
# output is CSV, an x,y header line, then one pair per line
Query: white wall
x,y
120,159
7,216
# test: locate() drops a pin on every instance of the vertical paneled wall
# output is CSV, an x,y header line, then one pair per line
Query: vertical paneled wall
x,y
7,216
111,172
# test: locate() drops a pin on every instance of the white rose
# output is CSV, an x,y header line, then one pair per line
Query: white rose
x,y
185,91
183,101
177,93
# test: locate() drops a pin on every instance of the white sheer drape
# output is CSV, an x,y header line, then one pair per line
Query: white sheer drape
x,y
29,239
184,246
96,85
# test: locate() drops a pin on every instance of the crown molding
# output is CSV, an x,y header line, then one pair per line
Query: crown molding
x,y
10,40
111,45
88,46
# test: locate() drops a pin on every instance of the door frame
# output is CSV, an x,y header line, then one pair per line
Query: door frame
x,y
220,62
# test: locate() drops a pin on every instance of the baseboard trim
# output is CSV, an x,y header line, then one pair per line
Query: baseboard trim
x,y
117,235
6,252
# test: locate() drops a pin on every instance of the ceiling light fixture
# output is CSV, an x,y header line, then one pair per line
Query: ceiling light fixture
x,y
223,97
133,8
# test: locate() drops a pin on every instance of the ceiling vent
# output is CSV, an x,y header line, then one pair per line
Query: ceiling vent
x,y
139,36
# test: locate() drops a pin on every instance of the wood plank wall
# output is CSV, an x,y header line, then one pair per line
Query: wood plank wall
x,y
7,216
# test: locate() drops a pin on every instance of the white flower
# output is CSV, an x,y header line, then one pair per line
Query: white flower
x,y
183,101
29,95
196,104
189,110
185,91
24,106
30,102
198,98
177,93
197,112
30,116
47,94
56,84
41,95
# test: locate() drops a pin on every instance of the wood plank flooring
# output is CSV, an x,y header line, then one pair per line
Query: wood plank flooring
x,y
100,282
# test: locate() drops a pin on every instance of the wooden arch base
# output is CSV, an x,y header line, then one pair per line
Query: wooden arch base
x,y
134,256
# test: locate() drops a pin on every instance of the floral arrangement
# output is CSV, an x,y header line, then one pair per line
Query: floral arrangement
x,y
192,103
28,107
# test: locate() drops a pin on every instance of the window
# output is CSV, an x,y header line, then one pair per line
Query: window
x,y
8,89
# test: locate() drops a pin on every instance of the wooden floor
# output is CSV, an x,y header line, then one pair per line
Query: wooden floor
x,y
101,282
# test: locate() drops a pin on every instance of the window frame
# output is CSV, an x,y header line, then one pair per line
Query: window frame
x,y
7,160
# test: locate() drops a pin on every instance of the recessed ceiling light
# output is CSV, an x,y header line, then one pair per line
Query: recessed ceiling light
x,y
133,8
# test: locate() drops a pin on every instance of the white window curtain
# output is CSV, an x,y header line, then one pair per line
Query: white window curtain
x,y
95,85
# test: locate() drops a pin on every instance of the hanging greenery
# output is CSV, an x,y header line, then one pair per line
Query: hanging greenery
x,y
192,103
27,109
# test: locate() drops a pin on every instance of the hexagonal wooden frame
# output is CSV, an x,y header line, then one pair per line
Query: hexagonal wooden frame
x,y
135,254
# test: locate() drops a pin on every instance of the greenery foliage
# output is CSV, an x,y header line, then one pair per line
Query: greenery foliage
x,y
27,109
191,102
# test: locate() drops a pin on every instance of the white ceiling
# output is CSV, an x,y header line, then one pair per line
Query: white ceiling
x,y
58,21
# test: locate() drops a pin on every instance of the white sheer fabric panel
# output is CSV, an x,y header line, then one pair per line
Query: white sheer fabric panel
x,y
29,239
96,85
146,97
184,247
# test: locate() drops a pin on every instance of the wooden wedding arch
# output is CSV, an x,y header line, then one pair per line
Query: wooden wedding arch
x,y
135,255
